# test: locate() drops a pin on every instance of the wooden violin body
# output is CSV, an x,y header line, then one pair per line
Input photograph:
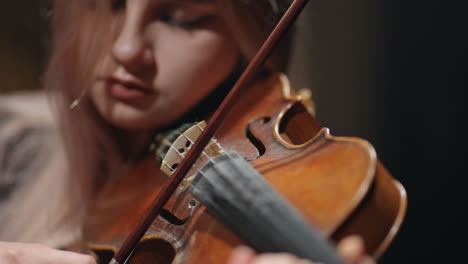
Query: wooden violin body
x,y
337,183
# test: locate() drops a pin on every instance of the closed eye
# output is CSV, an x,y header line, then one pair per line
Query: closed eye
x,y
118,5
186,24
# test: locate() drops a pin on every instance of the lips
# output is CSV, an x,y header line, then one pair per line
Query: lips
x,y
127,89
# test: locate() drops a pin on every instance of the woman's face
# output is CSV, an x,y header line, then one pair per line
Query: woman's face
x,y
167,56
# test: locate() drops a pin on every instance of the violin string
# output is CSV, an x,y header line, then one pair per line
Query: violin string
x,y
212,140
228,181
191,142
210,159
169,166
183,157
217,119
173,170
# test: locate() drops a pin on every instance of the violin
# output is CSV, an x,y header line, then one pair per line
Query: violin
x,y
277,172
302,161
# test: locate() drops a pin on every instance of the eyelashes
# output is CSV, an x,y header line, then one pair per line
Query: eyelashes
x,y
117,5
186,24
171,15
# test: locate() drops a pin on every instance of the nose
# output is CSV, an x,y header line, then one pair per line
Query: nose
x,y
131,49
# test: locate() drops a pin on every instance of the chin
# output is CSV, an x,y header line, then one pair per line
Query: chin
x,y
129,118
133,122
133,118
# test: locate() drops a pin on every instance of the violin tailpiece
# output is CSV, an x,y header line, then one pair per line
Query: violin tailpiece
x,y
237,194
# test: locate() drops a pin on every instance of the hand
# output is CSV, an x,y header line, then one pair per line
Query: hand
x,y
22,253
350,248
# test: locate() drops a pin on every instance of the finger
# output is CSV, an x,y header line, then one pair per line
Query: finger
x,y
279,258
66,257
241,255
55,256
366,260
39,254
351,248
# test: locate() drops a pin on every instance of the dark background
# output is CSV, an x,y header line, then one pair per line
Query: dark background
x,y
22,44
392,72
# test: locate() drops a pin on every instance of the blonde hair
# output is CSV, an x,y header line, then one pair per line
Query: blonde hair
x,y
57,198
89,144
251,21
89,150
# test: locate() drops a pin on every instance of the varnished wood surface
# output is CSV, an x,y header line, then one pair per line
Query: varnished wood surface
x,y
337,183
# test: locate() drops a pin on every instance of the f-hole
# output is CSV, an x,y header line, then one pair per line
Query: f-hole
x,y
153,250
103,255
149,250
172,219
261,149
297,125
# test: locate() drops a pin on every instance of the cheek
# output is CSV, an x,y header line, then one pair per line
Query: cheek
x,y
190,66
198,62
222,58
100,100
223,54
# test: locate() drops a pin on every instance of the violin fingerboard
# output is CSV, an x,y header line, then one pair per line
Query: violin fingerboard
x,y
238,195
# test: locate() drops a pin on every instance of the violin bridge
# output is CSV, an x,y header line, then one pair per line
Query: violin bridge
x,y
179,148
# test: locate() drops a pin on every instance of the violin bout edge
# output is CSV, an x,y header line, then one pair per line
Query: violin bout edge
x,y
381,202
373,207
379,216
